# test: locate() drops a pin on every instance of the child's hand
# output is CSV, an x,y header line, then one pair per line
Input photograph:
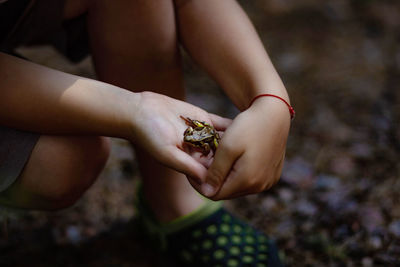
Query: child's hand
x,y
250,156
159,130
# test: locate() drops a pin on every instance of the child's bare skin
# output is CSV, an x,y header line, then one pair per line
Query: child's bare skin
x,y
39,99
219,36
135,46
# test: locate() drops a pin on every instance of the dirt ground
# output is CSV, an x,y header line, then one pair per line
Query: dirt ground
x,y
337,201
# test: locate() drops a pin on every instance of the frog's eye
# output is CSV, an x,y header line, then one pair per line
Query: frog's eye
x,y
188,131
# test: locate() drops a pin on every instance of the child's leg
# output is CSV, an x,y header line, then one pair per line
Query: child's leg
x,y
134,45
57,173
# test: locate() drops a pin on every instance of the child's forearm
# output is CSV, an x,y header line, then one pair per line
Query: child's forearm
x,y
39,99
220,37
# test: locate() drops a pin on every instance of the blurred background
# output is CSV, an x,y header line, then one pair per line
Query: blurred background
x,y
337,203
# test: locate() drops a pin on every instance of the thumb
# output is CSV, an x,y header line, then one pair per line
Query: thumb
x,y
224,159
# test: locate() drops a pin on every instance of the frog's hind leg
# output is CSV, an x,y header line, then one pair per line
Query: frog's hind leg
x,y
206,149
188,121
198,124
214,144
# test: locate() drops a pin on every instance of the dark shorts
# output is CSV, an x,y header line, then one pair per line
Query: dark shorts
x,y
34,22
15,149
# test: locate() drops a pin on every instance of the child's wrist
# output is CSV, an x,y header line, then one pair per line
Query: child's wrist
x,y
266,86
129,106
276,97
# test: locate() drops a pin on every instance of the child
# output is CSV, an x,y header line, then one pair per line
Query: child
x,y
134,45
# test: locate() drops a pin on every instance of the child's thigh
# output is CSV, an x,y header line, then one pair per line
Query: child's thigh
x,y
135,45
58,172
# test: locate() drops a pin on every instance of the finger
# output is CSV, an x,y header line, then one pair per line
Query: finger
x,y
194,183
219,122
233,187
243,193
184,163
221,133
205,160
235,195
239,182
244,180
223,161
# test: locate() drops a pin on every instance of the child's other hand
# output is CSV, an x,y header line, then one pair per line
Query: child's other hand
x,y
251,153
158,129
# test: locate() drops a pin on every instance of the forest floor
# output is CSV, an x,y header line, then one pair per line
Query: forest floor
x,y
337,203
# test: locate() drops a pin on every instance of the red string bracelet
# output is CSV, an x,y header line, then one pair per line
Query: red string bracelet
x,y
291,109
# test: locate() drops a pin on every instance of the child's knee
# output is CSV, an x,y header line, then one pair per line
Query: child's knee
x,y
143,31
58,172
79,175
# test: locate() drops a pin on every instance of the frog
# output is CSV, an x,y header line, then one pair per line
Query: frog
x,y
201,135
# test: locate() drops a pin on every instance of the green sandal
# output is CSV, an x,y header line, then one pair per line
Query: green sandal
x,y
209,236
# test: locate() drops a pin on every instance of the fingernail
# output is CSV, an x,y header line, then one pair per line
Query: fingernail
x,y
207,190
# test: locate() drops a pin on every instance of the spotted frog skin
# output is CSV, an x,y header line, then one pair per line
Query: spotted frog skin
x,y
201,135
